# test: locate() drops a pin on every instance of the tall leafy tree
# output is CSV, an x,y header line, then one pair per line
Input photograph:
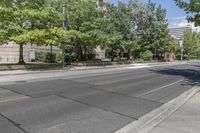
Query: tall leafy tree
x,y
122,19
126,26
79,15
151,27
192,7
190,43
162,37
23,16
79,12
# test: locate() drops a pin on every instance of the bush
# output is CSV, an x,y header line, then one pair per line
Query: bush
x,y
50,57
146,56
139,60
70,57
40,56
58,57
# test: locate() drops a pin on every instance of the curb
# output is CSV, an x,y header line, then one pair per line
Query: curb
x,y
152,119
64,70
88,68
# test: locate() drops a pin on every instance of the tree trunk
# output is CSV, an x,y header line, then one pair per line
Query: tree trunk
x,y
188,56
51,57
79,53
155,54
129,54
112,59
86,53
51,49
112,55
21,58
120,55
161,56
133,55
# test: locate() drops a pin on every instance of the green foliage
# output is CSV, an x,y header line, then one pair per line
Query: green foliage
x,y
146,56
191,43
152,27
70,57
192,7
20,17
126,28
40,57
58,57
50,57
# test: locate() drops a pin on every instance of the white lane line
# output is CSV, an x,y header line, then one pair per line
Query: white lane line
x,y
137,67
14,99
161,87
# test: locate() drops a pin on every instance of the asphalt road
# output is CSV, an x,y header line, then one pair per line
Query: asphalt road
x,y
91,103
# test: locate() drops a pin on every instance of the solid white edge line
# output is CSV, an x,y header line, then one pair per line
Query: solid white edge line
x,y
161,87
149,121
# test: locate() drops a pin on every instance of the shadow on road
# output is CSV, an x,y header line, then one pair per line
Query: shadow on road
x,y
191,75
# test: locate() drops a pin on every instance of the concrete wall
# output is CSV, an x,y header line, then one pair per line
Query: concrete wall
x,y
99,53
9,53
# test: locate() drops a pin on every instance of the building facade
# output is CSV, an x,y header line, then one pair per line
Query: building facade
x,y
176,36
177,32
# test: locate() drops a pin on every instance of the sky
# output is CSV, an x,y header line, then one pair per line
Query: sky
x,y
175,15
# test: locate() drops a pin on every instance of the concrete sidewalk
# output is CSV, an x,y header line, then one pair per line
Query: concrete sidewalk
x,y
171,117
185,120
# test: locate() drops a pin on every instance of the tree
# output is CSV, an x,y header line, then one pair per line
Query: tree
x,y
79,12
151,27
19,17
162,37
190,43
121,17
80,15
126,28
193,7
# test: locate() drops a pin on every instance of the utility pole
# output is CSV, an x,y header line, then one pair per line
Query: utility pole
x,y
65,28
181,47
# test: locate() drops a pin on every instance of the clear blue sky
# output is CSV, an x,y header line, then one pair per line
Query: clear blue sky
x,y
175,15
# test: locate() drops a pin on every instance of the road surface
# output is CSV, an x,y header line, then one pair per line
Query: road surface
x,y
100,102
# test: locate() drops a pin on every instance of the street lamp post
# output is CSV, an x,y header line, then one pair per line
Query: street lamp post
x,y
181,47
65,28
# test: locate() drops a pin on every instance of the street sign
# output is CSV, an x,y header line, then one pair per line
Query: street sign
x,y
65,25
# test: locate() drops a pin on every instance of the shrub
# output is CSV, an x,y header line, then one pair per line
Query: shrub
x,y
70,57
40,56
139,60
50,57
58,57
146,56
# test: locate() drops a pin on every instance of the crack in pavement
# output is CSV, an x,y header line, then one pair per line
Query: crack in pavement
x,y
14,123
